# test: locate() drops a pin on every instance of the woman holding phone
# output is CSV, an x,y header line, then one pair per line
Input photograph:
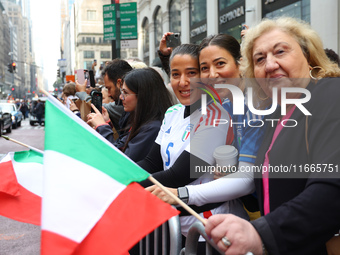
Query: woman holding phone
x,y
146,99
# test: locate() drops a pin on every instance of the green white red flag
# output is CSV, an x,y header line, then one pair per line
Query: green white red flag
x,y
91,204
21,185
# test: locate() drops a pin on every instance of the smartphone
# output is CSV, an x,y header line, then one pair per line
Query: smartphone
x,y
173,40
80,76
92,82
87,77
97,99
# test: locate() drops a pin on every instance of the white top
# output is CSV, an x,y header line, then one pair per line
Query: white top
x,y
197,134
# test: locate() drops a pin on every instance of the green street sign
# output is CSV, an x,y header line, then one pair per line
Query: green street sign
x,y
109,22
127,28
128,35
128,10
128,21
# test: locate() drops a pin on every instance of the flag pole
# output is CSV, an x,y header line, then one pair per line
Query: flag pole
x,y
22,144
44,92
179,201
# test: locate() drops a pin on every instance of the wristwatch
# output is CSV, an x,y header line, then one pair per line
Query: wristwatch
x,y
183,194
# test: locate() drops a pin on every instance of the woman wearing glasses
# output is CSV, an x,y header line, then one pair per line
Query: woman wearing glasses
x,y
145,97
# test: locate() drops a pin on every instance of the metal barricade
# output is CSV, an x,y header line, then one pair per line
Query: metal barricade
x,y
171,239
194,233
191,242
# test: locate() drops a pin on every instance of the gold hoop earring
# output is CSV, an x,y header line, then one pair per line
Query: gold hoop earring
x,y
262,99
313,69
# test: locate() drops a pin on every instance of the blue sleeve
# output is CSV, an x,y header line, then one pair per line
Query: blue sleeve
x,y
251,138
106,132
139,146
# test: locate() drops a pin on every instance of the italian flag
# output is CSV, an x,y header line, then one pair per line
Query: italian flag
x,y
21,186
91,203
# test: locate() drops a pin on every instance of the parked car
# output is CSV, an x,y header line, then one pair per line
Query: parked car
x,y
16,114
5,121
33,115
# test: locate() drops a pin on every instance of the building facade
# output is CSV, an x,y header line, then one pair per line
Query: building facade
x,y
196,19
16,40
84,36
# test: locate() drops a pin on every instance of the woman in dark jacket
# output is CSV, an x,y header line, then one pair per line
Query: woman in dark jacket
x,y
297,175
145,97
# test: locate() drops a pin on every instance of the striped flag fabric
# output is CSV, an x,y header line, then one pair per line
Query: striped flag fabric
x,y
21,186
91,203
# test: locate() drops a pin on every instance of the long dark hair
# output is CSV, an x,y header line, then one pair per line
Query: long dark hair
x,y
153,99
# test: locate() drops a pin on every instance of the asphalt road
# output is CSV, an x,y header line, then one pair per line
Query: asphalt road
x,y
17,238
30,135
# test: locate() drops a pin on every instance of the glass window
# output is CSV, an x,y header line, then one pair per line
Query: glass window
x,y
198,11
89,54
146,41
123,54
91,15
158,21
94,39
225,3
88,39
175,16
234,32
105,54
88,65
299,10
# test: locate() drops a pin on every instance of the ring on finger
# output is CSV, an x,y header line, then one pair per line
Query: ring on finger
x,y
225,241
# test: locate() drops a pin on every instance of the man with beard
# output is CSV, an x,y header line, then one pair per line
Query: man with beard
x,y
113,73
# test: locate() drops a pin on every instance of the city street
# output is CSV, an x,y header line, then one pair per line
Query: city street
x,y
18,238
27,134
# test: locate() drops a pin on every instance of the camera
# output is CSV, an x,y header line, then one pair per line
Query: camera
x,y
173,40
96,100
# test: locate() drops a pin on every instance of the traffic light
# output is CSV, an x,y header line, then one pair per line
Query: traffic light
x,y
13,89
58,73
14,65
10,68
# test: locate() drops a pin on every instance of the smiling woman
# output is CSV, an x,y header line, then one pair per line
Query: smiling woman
x,y
297,207
187,138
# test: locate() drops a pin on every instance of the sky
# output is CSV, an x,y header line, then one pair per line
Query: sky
x,y
45,16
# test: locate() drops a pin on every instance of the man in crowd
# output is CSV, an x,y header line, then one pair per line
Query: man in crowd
x,y
113,73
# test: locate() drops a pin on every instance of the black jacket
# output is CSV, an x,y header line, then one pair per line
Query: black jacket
x,y
304,207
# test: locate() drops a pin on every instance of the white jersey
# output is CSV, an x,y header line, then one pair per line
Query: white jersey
x,y
197,134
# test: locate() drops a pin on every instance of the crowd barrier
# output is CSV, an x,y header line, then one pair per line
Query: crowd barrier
x,y
196,230
171,239
194,233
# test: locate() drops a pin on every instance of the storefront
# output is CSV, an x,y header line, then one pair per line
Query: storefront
x,y
298,9
198,20
175,16
231,17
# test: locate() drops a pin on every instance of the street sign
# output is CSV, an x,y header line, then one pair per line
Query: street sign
x,y
62,62
128,44
128,21
70,78
109,22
